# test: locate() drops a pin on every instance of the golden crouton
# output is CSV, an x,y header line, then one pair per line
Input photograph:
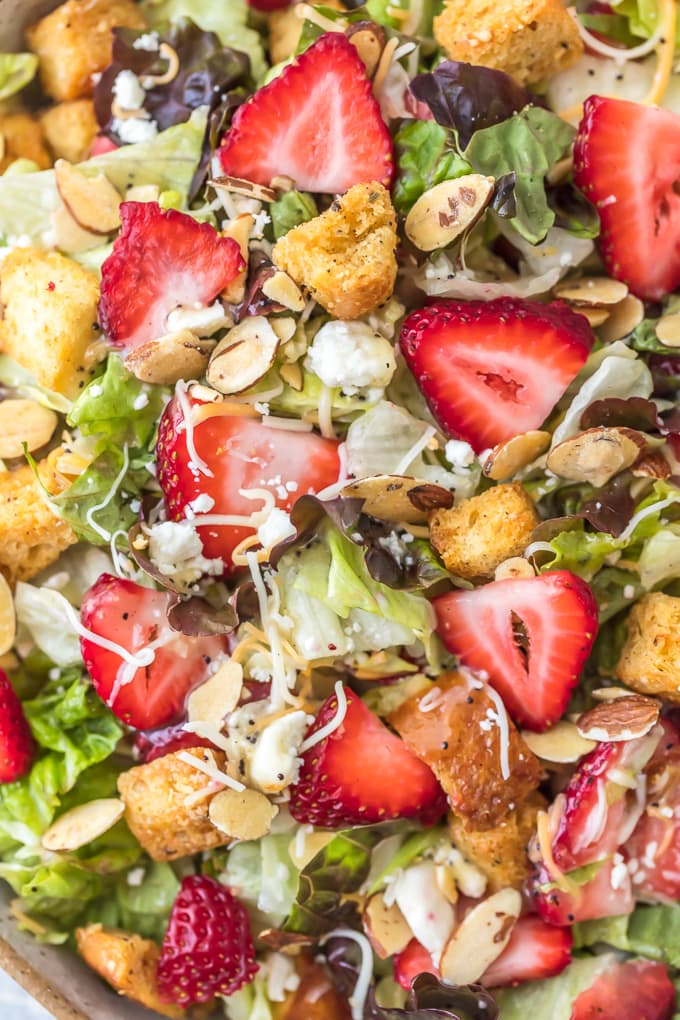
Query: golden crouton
x,y
128,962
315,998
70,129
478,534
529,39
501,853
457,738
345,257
159,808
50,316
650,659
23,139
74,42
31,535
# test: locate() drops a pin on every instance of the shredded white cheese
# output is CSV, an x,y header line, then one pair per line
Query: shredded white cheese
x,y
332,724
211,771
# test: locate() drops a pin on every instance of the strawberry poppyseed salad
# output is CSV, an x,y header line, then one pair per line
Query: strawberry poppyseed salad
x,y
340,505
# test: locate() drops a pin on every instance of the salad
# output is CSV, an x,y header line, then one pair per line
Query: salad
x,y
340,505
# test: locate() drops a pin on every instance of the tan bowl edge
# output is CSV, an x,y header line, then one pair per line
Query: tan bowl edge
x,y
36,985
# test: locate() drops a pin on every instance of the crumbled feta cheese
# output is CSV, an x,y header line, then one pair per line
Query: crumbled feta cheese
x,y
276,528
459,454
629,591
149,41
140,401
261,220
203,320
469,879
351,355
202,504
619,873
395,545
428,913
134,129
136,876
96,390
275,762
176,549
128,91
281,976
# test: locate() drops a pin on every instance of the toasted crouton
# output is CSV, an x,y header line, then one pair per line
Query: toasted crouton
x,y
346,256
501,853
451,733
159,808
50,316
478,534
31,535
316,996
128,962
70,129
650,659
74,42
23,139
529,39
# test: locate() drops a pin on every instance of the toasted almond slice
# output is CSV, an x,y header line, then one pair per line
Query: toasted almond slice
x,y
284,291
592,291
206,393
386,927
561,744
8,620
301,851
282,183
445,211
446,880
369,40
142,193
622,320
284,326
24,422
243,356
515,567
244,814
292,374
620,719
508,458
595,316
397,498
69,236
82,824
610,693
596,455
480,938
668,330
652,464
167,359
560,170
239,186
93,202
238,230
218,696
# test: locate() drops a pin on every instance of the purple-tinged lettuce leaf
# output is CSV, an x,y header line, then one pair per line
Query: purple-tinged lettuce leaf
x,y
611,507
196,617
619,412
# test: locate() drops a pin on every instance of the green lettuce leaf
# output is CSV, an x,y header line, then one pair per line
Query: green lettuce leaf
x,y
118,407
306,400
552,999
409,851
292,209
15,376
651,931
643,17
527,145
145,908
425,156
16,70
264,875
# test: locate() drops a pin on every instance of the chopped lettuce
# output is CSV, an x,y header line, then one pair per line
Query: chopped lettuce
x,y
16,377
425,156
292,209
117,408
643,17
552,998
250,1002
306,401
651,931
263,875
144,906
16,70
44,613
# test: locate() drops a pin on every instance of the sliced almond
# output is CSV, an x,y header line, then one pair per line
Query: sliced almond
x,y
592,291
200,392
514,568
447,210
143,193
243,356
506,459
302,851
652,464
180,355
8,620
610,693
218,696
238,230
623,319
560,171
369,40
24,422
82,824
561,744
596,455
284,326
668,330
93,202
595,316
292,374
69,236
480,938
239,186
618,719
446,880
282,184
397,498
244,814
386,927
284,291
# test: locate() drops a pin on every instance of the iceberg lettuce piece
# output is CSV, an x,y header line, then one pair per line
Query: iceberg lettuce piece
x,y
263,875
552,999
651,931
16,70
44,613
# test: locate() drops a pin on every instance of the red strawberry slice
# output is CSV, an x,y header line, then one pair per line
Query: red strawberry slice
x,y
531,636
208,946
536,950
134,618
317,122
589,822
269,5
637,194
238,453
16,740
362,773
490,370
634,990
153,744
161,261
410,962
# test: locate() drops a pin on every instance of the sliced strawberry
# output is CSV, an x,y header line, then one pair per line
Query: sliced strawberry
x,y
536,950
410,962
362,773
208,946
634,990
490,370
102,145
269,5
134,618
531,636
17,746
588,825
637,194
161,261
238,453
317,122
152,744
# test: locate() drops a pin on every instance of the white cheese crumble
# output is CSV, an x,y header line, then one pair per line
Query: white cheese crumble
x,y
275,763
459,454
202,504
149,41
128,91
203,320
134,129
275,529
428,913
352,356
176,549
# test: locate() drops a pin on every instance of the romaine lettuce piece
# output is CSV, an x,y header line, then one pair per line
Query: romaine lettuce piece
x,y
552,999
651,931
16,70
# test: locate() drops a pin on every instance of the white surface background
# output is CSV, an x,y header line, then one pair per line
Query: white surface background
x,y
15,1004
